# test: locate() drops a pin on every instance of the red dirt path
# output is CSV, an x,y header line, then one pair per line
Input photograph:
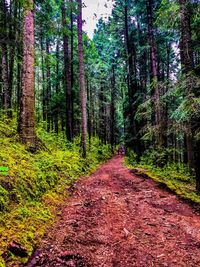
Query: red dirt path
x,y
115,219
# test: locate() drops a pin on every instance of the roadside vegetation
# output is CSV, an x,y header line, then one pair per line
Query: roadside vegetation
x,y
35,187
175,176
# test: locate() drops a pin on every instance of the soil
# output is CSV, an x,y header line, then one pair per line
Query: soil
x,y
117,219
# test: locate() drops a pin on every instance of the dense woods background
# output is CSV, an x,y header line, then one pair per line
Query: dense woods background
x,y
137,81
67,102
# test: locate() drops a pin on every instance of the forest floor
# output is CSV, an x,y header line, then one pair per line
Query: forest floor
x,y
117,219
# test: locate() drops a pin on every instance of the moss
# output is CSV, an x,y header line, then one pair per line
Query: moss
x,y
175,176
4,198
35,187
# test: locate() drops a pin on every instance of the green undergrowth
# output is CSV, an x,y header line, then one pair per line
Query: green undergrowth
x,y
175,176
35,186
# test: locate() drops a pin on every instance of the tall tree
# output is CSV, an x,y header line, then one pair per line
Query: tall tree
x,y
187,68
157,116
67,74
132,81
112,109
83,97
193,146
27,106
4,63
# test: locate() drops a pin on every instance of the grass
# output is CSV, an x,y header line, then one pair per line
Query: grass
x,y
175,176
35,187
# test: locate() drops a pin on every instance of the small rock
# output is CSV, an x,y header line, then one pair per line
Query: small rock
x,y
126,232
77,204
161,255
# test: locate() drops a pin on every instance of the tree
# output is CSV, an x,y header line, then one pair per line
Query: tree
x,y
27,106
5,60
132,81
187,61
187,68
82,79
157,116
67,75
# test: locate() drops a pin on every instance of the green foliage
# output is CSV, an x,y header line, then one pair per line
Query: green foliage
x,y
35,185
188,104
168,15
175,176
131,157
155,157
4,199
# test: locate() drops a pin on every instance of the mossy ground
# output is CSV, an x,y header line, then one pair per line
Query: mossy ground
x,y
175,176
33,191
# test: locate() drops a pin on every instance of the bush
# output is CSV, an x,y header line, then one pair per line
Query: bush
x,y
155,157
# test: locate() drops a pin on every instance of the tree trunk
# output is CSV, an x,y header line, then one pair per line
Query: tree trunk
x,y
156,106
5,79
187,67
132,85
57,109
112,110
5,66
89,110
27,107
67,75
72,64
44,111
82,79
12,48
48,86
187,63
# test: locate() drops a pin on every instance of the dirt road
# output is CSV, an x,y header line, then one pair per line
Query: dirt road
x,y
115,219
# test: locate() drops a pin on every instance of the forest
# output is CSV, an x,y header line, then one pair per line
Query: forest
x,y
68,102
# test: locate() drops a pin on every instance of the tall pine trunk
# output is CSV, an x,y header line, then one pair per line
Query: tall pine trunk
x,y
82,79
57,109
132,84
5,78
193,147
27,106
44,112
112,109
67,75
187,67
5,64
72,63
48,85
156,105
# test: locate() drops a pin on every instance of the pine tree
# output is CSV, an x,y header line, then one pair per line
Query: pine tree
x,y
27,106
83,97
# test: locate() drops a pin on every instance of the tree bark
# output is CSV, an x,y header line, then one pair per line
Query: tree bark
x,y
112,110
187,67
132,85
187,63
67,75
44,113
82,79
156,104
5,65
72,63
5,78
48,86
89,110
27,107
57,109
